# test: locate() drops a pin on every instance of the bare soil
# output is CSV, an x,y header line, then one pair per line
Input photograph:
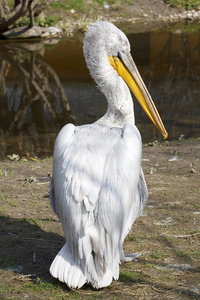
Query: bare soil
x,y
167,235
139,15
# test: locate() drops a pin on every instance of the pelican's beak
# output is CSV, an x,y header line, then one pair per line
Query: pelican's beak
x,y
126,68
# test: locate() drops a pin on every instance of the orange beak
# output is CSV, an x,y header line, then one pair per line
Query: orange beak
x,y
126,68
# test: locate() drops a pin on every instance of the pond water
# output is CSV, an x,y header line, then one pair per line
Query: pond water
x,y
44,85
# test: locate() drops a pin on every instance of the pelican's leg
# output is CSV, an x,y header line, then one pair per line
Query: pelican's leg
x,y
129,257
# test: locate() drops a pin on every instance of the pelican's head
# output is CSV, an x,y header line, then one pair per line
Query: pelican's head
x,y
104,37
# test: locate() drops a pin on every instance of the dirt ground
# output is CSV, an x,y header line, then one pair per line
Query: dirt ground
x,y
167,235
139,15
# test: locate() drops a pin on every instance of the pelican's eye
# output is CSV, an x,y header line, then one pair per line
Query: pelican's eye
x,y
125,45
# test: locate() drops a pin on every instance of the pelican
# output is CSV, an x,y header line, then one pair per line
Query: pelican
x,y
98,187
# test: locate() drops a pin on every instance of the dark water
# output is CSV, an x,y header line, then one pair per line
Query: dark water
x,y
45,85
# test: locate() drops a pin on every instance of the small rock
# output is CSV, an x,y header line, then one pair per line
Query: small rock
x,y
106,5
181,137
196,15
182,267
174,158
189,16
152,170
14,157
178,31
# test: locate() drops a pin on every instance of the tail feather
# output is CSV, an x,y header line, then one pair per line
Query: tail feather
x,y
103,282
65,270
90,269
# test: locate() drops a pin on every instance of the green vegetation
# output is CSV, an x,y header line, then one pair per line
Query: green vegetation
x,y
187,4
46,22
4,172
10,3
101,2
81,6
159,254
3,197
190,254
127,276
185,28
39,285
167,234
68,5
8,264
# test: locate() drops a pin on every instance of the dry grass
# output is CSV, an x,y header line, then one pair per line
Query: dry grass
x,y
167,235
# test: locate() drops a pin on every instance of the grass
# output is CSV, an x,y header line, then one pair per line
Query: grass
x,y
82,6
10,3
184,4
68,5
101,2
190,254
33,231
194,231
130,276
4,172
3,197
46,22
39,285
159,254
8,264
193,27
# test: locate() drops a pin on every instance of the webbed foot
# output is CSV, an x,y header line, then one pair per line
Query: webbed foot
x,y
129,257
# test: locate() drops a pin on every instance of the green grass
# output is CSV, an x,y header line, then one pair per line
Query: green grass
x,y
46,22
185,28
128,276
77,5
68,5
194,231
186,4
190,254
14,203
3,197
33,221
81,6
10,3
39,285
4,172
159,254
50,158
8,264
101,2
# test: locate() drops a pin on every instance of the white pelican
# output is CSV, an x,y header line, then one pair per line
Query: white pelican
x,y
98,188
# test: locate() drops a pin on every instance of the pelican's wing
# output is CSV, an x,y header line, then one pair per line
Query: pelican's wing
x,y
137,205
93,191
62,142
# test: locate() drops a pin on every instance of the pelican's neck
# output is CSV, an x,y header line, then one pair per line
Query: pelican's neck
x,y
120,103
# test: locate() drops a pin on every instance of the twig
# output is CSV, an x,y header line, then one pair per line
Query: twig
x,y
27,276
185,236
157,290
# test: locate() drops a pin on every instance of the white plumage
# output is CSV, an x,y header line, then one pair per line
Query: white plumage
x,y
98,188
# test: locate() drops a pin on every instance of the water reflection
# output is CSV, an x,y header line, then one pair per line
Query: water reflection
x,y
33,103
43,87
